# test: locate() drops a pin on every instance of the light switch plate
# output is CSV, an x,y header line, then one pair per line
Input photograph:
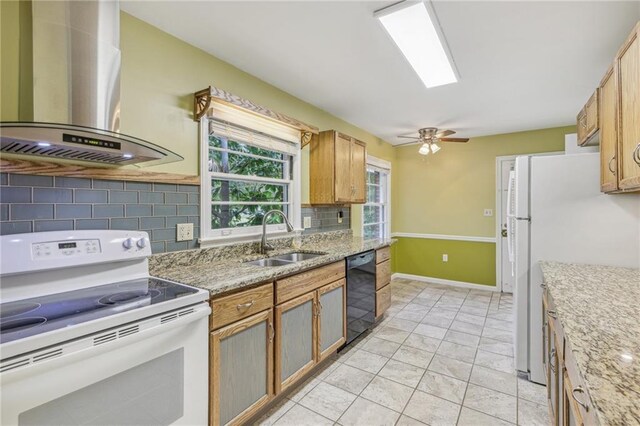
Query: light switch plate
x,y
184,232
307,222
445,257
488,212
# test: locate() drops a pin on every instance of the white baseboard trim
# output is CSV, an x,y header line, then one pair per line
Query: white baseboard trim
x,y
442,281
445,237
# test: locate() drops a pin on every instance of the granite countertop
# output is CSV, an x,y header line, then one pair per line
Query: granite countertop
x,y
220,270
599,309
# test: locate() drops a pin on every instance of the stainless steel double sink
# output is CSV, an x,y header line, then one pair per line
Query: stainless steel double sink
x,y
284,259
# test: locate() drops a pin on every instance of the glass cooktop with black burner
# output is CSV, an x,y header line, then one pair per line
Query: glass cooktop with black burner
x,y
37,315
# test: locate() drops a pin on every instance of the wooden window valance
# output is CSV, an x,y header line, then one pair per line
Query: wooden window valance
x,y
228,107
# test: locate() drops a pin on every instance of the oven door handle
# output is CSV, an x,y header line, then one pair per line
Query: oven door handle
x,y
99,342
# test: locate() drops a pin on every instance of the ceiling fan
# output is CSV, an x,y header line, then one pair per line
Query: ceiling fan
x,y
429,137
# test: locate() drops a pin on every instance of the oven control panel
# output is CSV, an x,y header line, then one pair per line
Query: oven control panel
x,y
41,251
57,249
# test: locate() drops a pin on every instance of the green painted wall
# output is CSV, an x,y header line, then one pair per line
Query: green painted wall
x,y
446,193
472,262
159,75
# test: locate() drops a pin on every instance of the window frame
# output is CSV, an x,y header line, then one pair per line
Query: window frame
x,y
382,166
212,237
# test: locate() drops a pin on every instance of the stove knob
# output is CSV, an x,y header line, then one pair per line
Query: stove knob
x,y
142,243
128,243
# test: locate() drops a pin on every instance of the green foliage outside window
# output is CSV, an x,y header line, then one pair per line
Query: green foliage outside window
x,y
226,156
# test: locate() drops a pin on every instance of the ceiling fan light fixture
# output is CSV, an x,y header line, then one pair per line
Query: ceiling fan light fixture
x,y
424,149
415,30
435,148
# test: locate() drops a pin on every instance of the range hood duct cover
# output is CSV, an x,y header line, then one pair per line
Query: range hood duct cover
x,y
76,89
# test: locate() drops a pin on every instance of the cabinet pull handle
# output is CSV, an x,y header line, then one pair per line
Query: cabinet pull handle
x,y
245,305
552,314
552,356
579,389
636,155
273,332
610,161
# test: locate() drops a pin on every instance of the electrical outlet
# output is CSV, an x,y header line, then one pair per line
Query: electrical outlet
x,y
488,212
340,216
307,222
445,257
184,232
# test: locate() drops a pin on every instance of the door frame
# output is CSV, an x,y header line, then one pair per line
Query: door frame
x,y
498,225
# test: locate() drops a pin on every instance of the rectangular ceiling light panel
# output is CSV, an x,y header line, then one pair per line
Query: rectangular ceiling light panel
x,y
412,26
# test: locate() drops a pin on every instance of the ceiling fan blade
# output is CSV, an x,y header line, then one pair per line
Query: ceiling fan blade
x,y
409,137
443,133
409,143
454,139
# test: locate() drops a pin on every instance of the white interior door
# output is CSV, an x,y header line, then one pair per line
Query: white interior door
x,y
506,275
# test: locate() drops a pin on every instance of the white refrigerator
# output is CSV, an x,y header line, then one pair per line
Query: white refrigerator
x,y
559,214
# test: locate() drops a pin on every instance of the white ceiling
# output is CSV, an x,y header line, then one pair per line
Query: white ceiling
x,y
522,65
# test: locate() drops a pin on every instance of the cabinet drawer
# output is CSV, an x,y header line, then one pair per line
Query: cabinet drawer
x,y
383,274
296,285
383,254
234,307
383,300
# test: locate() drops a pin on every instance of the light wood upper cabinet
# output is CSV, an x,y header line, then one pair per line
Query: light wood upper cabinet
x,y
588,120
628,67
608,132
359,171
337,167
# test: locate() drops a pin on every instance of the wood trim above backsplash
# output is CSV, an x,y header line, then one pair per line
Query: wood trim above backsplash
x,y
48,168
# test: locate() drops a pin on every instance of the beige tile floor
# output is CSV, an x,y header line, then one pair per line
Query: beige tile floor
x,y
441,356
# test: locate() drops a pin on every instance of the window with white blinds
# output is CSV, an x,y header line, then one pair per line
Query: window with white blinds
x,y
376,215
247,173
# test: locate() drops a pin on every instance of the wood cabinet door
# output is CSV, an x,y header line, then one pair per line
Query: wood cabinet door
x,y
358,171
296,325
582,127
343,188
570,411
608,132
553,370
332,318
628,64
592,114
241,370
383,300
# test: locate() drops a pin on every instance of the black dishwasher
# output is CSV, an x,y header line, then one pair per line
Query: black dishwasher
x,y
361,293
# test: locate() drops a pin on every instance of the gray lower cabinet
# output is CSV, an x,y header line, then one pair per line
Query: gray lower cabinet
x,y
295,339
241,369
332,315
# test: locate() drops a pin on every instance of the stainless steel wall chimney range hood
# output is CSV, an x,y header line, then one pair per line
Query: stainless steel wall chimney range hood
x,y
76,89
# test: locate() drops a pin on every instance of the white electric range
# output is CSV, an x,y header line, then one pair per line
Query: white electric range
x,y
88,337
